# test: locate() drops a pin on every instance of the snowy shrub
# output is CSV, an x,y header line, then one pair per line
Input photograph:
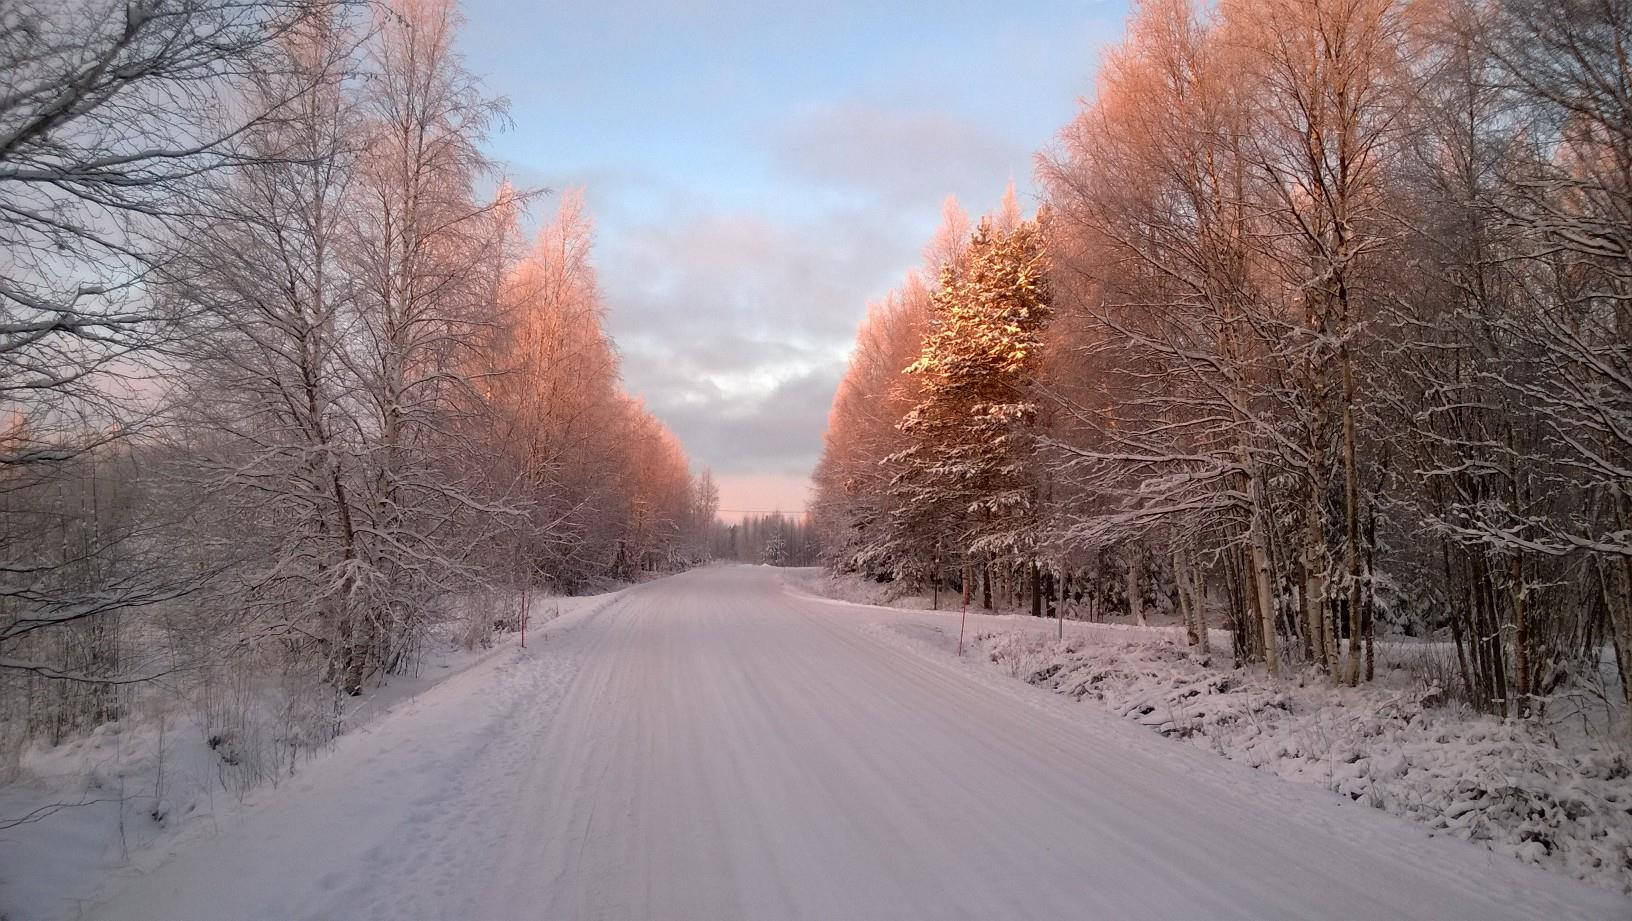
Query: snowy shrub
x,y
1560,800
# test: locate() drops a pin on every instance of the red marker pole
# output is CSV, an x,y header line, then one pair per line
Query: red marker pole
x,y
961,622
963,618
524,617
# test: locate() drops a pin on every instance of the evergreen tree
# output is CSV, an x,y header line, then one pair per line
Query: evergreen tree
x,y
776,550
963,483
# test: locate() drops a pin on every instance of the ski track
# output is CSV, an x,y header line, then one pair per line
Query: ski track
x,y
710,746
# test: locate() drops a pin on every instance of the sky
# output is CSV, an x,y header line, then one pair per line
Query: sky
x,y
759,174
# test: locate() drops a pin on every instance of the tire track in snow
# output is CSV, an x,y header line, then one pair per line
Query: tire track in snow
x,y
710,748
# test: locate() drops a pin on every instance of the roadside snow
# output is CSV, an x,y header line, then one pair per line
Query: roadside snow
x,y
124,796
1559,800
1508,785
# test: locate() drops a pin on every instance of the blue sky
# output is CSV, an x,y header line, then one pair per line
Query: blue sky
x,y
759,174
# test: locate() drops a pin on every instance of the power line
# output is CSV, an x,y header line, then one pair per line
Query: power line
x,y
761,511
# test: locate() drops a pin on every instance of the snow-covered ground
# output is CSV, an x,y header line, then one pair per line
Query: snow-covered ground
x,y
718,746
1555,794
123,799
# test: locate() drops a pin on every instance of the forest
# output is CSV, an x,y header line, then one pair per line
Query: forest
x,y
1319,333
1234,521
771,538
286,389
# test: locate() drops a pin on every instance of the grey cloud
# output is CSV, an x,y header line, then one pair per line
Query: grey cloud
x,y
735,330
735,321
786,281
725,354
903,156
781,433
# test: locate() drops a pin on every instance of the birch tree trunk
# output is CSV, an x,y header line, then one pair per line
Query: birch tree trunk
x,y
1262,583
1182,583
1136,594
1198,600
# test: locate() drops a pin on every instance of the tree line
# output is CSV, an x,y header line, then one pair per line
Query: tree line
x,y
283,385
1320,332
772,538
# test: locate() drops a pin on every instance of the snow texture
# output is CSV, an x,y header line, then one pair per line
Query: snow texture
x,y
1542,794
713,746
1509,785
125,798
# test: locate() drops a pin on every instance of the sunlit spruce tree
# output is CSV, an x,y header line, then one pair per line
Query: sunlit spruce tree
x,y
964,484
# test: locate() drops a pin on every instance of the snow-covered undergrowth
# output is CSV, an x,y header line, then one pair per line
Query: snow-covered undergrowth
x,y
186,756
1560,800
1557,793
822,583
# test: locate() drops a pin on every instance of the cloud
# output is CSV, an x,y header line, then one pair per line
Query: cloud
x,y
735,321
702,273
736,329
895,155
777,432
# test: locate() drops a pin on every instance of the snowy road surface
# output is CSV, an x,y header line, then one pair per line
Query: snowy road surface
x,y
713,747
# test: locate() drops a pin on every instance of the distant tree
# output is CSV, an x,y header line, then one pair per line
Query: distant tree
x,y
554,404
776,550
703,519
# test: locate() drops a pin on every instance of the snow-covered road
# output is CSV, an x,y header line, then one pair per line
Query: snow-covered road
x,y
711,746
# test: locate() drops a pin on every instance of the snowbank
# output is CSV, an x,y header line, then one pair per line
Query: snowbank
x,y
1559,799
1562,804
